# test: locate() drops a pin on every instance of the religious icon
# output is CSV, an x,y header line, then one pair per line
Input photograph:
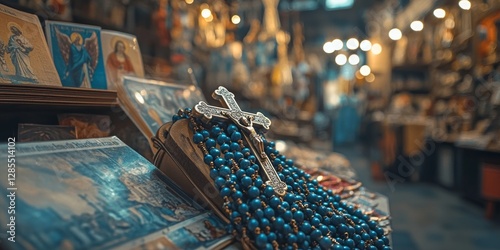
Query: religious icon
x,y
123,56
77,54
19,48
80,57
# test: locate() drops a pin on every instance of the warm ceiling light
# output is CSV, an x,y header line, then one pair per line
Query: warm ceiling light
x,y
365,70
328,47
395,34
464,4
439,13
352,43
376,48
353,59
340,59
337,44
189,1
235,19
206,13
417,25
365,45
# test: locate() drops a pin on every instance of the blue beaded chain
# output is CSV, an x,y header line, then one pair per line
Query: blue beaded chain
x,y
307,217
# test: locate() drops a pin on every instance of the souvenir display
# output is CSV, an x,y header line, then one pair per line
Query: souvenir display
x,y
53,9
23,51
122,56
100,194
267,200
77,53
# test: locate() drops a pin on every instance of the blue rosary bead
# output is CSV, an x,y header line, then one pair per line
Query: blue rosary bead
x,y
287,216
276,162
358,229
258,213
361,245
228,156
255,204
253,224
332,229
268,191
219,162
386,248
350,230
385,239
225,191
292,238
235,215
372,247
264,222
237,194
258,182
373,234
255,167
315,222
224,171
365,226
380,231
208,158
338,247
240,173
246,151
342,228
250,171
219,181
243,208
349,243
224,148
205,134
379,243
372,224
244,164
327,220
279,223
261,240
252,158
269,212
175,118
215,152
269,246
238,156
287,229
365,236
274,202
271,237
289,180
214,173
222,139
316,234
301,236
325,243
298,216
231,128
347,248
253,192
246,181
306,227
282,177
324,229
235,136
215,131
210,143
234,146
305,244
197,138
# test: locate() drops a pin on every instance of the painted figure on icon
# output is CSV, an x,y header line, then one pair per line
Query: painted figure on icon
x,y
118,62
80,56
19,49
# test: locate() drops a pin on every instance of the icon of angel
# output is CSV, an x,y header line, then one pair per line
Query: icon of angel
x,y
80,57
3,63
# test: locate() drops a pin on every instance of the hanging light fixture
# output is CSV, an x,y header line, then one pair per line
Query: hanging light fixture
x,y
337,44
395,34
365,45
328,47
365,70
439,13
340,59
352,43
353,59
417,25
464,4
235,19
376,49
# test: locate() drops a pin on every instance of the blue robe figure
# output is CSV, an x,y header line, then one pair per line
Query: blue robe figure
x,y
78,66
80,57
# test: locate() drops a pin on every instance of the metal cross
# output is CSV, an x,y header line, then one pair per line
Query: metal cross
x,y
245,121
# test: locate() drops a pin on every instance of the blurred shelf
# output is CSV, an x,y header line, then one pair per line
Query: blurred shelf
x,y
417,67
422,91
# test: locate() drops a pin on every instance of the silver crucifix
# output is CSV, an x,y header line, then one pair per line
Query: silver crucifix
x,y
245,121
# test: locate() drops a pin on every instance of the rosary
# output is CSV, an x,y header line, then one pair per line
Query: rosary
x,y
270,203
